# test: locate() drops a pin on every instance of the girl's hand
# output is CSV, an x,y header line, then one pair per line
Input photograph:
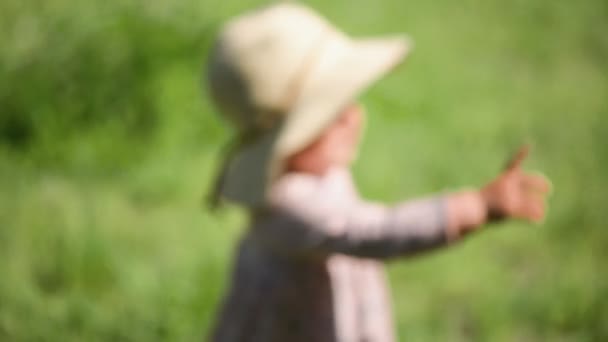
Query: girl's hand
x,y
515,193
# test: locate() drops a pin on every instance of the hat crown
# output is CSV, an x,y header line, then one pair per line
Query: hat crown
x,y
256,63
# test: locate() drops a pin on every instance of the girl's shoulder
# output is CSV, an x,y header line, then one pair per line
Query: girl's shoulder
x,y
294,187
297,187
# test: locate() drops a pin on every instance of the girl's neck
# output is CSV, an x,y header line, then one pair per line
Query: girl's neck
x,y
316,170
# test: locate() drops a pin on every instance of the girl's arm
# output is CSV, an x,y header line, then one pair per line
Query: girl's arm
x,y
308,226
304,223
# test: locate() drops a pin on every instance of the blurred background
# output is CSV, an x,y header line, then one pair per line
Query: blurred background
x,y
108,143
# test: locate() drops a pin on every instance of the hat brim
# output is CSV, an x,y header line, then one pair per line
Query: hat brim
x,y
363,62
360,64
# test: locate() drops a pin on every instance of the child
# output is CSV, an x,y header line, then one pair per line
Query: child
x,y
310,266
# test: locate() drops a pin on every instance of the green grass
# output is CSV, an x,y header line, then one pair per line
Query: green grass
x,y
107,144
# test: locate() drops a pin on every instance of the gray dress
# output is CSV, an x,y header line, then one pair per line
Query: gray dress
x,y
310,268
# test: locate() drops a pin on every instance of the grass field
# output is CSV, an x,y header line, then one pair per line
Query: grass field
x,y
107,145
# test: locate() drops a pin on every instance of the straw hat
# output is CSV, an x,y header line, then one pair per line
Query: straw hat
x,y
281,75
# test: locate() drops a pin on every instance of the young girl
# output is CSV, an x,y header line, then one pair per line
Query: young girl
x,y
310,266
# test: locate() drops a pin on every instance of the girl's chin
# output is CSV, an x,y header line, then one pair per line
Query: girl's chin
x,y
343,161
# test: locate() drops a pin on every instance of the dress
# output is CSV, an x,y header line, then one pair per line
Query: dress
x,y
310,267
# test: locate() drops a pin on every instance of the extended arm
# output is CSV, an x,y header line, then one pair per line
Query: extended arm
x,y
307,221
365,229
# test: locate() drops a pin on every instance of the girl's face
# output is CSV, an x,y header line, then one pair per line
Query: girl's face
x,y
337,146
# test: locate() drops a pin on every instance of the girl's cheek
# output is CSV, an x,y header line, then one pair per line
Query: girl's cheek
x,y
353,135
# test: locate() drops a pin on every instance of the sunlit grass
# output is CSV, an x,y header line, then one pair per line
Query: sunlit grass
x,y
107,146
